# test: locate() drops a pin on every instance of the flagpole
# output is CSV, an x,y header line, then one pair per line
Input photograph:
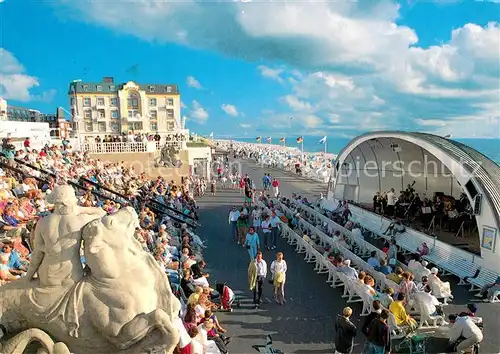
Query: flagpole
x,y
324,157
303,157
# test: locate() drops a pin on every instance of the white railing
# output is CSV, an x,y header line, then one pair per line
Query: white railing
x,y
116,148
127,147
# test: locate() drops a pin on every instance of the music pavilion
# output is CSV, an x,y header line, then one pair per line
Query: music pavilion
x,y
466,182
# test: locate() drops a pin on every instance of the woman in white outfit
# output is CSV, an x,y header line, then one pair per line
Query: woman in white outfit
x,y
278,272
256,216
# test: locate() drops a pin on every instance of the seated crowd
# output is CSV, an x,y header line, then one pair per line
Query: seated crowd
x,y
176,248
409,283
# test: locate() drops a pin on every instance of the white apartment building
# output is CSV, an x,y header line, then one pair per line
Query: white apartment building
x,y
109,108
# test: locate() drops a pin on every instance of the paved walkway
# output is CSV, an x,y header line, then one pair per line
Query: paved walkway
x,y
305,323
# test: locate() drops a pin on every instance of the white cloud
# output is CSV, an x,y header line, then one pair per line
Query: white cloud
x,y
270,73
198,113
230,109
245,126
192,82
296,104
430,122
343,58
15,84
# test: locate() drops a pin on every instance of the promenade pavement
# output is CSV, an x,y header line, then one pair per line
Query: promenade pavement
x,y
306,323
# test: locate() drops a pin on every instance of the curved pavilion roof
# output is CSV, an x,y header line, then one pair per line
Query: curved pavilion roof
x,y
484,171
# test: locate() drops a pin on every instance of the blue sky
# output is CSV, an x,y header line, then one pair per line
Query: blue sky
x,y
245,68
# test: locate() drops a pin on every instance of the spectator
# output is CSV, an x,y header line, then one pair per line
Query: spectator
x,y
373,260
396,276
384,268
374,314
402,318
464,327
345,332
378,335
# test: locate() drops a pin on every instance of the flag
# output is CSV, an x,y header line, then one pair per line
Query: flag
x,y
322,141
282,140
211,136
268,139
299,140
257,138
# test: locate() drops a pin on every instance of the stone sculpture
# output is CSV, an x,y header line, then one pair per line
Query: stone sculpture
x,y
169,157
18,343
124,304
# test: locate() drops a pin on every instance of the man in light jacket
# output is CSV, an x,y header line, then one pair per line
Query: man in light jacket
x,y
257,272
464,327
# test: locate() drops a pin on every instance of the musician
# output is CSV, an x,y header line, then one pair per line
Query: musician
x,y
391,202
377,203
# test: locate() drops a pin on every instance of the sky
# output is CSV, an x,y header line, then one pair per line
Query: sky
x,y
277,68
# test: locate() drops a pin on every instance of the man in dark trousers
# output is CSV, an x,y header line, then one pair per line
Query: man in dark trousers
x,y
345,332
375,314
257,272
379,335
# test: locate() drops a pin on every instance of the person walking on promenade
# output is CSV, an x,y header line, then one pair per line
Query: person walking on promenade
x,y
378,335
345,332
266,231
213,186
252,243
278,270
233,221
276,185
256,218
275,229
257,272
242,225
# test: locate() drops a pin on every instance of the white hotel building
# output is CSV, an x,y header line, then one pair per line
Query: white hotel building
x,y
109,108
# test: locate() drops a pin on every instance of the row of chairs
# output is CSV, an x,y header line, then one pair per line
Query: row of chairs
x,y
364,248
352,290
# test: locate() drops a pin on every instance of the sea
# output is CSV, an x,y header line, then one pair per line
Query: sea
x,y
488,147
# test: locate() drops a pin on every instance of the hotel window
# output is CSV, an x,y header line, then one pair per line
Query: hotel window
x,y
114,101
152,102
86,102
89,126
86,88
102,127
101,113
154,127
73,102
100,101
99,88
169,89
170,126
87,114
151,88
112,88
135,125
115,127
133,101
153,115
133,113
114,114
170,113
170,101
